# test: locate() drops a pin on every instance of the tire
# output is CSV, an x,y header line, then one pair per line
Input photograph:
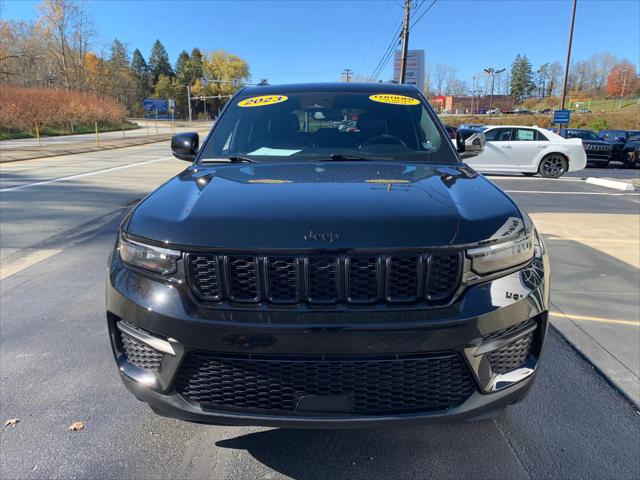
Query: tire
x,y
529,174
553,165
629,161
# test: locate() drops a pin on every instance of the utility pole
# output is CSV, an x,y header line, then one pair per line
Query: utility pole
x,y
189,100
473,93
566,67
347,73
624,84
405,39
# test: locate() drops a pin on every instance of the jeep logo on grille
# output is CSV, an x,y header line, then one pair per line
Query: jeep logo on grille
x,y
330,237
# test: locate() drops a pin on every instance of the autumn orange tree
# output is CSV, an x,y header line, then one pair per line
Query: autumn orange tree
x,y
622,80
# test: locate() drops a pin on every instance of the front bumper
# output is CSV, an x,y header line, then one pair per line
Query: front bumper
x,y
177,327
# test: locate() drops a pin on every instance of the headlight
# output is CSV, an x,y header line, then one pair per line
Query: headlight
x,y
147,257
503,255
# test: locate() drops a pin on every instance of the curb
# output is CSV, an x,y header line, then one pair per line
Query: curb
x,y
617,185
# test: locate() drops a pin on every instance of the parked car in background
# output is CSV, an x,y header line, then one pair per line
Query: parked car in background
x,y
626,145
529,150
599,152
493,111
472,126
451,131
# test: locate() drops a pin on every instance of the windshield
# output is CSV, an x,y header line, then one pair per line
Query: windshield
x,y
635,136
328,125
584,134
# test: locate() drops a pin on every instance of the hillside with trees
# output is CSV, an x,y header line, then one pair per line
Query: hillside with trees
x,y
59,52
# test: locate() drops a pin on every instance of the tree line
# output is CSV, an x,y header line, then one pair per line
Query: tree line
x,y
59,50
600,75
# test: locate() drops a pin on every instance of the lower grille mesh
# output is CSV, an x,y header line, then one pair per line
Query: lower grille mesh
x,y
368,385
141,355
512,356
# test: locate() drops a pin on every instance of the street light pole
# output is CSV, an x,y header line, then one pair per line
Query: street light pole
x,y
492,72
405,40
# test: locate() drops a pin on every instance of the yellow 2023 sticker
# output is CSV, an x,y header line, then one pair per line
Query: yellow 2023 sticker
x,y
263,100
394,99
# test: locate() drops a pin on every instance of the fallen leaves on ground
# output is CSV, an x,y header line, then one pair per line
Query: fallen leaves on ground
x,y
76,426
12,422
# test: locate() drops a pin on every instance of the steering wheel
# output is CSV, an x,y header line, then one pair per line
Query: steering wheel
x,y
377,141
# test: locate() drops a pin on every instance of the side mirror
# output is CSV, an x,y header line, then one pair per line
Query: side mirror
x,y
469,143
185,146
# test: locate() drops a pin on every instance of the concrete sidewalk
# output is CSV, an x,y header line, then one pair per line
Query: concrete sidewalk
x,y
595,278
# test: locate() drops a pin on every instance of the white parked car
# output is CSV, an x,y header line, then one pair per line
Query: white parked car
x,y
529,150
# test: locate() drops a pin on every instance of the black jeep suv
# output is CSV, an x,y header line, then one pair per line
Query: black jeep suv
x,y
300,275
626,146
599,152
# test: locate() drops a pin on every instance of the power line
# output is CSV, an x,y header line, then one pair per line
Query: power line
x,y
347,73
375,32
423,14
387,54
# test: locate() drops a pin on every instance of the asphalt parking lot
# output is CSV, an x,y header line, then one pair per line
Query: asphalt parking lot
x,y
58,222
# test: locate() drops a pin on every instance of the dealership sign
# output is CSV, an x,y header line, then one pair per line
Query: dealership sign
x,y
414,73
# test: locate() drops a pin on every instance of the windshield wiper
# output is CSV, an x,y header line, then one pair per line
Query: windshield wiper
x,y
346,157
231,159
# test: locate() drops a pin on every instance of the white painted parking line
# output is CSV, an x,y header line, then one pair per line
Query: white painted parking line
x,y
80,175
628,194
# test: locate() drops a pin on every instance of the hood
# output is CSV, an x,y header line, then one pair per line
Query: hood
x,y
323,205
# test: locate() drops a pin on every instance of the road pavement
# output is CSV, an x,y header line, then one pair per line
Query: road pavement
x,y
147,128
58,222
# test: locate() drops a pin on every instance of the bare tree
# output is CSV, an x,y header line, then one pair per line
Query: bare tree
x,y
442,75
553,75
68,32
455,86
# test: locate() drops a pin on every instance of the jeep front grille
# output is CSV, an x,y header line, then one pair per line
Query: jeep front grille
x,y
369,385
405,278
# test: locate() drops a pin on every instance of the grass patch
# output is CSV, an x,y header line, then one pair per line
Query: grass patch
x,y
66,130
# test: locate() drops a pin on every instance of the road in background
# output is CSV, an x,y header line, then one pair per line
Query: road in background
x,y
59,220
147,128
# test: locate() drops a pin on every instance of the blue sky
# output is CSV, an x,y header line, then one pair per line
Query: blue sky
x,y
299,41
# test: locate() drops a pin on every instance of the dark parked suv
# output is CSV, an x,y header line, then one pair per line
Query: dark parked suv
x,y
599,152
296,274
626,145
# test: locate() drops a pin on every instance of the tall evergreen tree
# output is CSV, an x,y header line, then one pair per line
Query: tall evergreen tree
x,y
182,65
159,62
195,70
140,69
139,65
522,83
119,58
